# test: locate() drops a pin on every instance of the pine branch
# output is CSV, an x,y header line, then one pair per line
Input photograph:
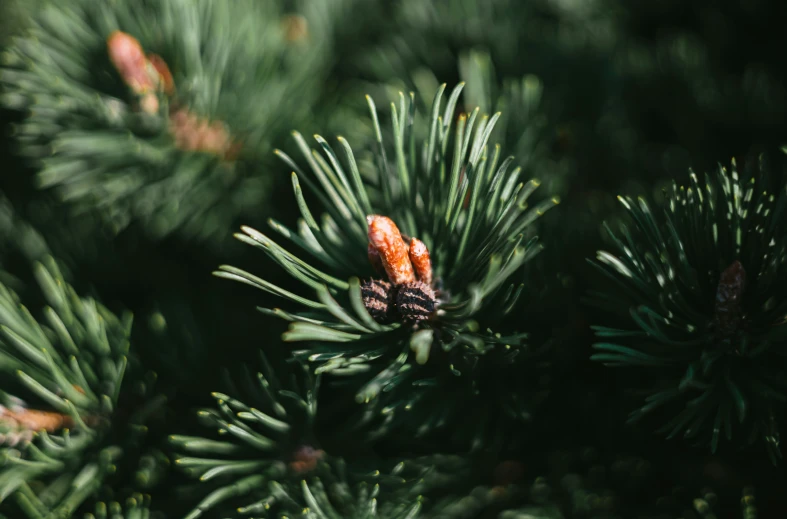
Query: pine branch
x,y
526,127
175,153
266,458
260,440
696,288
62,377
136,507
586,483
453,192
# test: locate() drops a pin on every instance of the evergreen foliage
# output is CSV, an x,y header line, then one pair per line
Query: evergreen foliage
x,y
428,347
697,282
478,231
267,459
261,437
136,507
524,125
63,378
184,160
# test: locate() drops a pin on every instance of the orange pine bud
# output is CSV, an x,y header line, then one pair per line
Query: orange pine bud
x,y
165,76
149,103
296,28
35,420
129,59
394,254
422,263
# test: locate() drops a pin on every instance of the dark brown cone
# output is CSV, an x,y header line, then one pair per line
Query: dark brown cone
x,y
729,316
378,298
415,301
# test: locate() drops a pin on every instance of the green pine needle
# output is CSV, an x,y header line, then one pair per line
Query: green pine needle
x,y
712,348
255,441
449,189
68,368
264,461
136,507
85,132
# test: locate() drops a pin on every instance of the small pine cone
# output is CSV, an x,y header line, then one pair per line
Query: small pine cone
x,y
306,459
729,294
378,298
415,301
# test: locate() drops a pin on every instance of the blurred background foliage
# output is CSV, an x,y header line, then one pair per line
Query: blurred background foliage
x,y
603,98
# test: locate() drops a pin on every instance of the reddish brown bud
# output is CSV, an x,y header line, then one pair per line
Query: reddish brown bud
x,y
422,263
384,235
165,76
129,59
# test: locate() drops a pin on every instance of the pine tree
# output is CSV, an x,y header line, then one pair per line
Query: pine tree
x,y
469,226
61,402
424,346
697,283
267,458
127,112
